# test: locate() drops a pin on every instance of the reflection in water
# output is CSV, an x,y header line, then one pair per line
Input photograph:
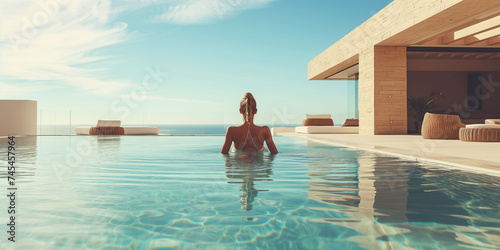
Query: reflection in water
x,y
259,168
108,143
108,148
384,196
172,191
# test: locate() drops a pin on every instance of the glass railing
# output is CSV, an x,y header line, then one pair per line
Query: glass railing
x,y
353,98
64,122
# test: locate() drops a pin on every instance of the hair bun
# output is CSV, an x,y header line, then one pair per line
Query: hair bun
x,y
248,106
248,95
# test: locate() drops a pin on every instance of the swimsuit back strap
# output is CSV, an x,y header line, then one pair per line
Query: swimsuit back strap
x,y
251,137
246,138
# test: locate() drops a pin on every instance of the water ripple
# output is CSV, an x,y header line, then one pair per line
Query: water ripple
x,y
179,192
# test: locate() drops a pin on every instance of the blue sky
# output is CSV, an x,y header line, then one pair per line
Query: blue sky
x,y
173,61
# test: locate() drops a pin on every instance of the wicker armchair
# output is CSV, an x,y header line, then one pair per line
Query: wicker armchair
x,y
437,126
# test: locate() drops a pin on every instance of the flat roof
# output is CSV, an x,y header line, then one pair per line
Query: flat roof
x,y
450,23
350,73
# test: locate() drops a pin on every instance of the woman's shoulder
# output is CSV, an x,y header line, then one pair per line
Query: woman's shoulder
x,y
263,127
233,128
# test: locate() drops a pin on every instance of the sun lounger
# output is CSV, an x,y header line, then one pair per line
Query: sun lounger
x,y
326,130
126,130
108,127
492,121
141,130
323,124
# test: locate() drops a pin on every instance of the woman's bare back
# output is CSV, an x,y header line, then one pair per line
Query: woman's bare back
x,y
253,143
248,137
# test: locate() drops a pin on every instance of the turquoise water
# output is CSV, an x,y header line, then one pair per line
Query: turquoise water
x,y
153,192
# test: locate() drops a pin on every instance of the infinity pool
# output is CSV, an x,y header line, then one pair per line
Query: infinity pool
x,y
152,192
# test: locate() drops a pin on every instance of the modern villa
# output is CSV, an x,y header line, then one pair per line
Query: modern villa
x,y
448,50
373,182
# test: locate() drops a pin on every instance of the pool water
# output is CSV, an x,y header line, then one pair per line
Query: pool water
x,y
154,192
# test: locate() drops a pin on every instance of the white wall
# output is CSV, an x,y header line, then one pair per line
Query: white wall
x,y
18,117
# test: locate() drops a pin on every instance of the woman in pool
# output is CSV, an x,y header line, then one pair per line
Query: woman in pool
x,y
248,137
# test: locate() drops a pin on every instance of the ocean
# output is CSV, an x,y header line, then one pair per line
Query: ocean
x,y
170,129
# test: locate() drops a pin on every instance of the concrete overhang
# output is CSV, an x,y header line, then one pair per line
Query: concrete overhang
x,y
408,23
350,73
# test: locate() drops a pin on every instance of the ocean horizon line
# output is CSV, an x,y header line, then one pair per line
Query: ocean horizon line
x,y
171,129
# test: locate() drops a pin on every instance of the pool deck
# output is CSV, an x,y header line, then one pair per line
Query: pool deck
x,y
476,156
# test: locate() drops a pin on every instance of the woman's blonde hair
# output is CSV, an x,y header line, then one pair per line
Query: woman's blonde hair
x,y
248,106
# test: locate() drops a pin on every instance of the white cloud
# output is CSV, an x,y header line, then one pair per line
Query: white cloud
x,y
202,11
151,96
188,100
46,41
55,42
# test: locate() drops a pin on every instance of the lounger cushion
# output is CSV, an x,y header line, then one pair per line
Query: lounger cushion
x,y
322,116
82,130
351,123
141,130
492,121
108,123
326,130
483,126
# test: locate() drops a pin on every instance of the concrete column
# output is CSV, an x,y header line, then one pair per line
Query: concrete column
x,y
367,92
18,117
382,91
